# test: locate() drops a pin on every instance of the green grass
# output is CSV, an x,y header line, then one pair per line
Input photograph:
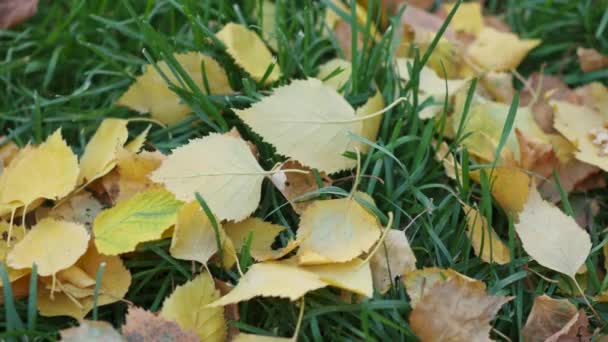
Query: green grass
x,y
67,66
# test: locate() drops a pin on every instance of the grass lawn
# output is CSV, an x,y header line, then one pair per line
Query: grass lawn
x,y
68,65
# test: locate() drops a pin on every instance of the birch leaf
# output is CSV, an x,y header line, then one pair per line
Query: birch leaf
x,y
144,217
80,208
226,174
17,235
295,185
486,243
499,51
99,156
263,236
394,258
187,306
354,276
336,230
52,245
248,51
308,121
151,94
551,237
548,316
193,236
419,282
468,17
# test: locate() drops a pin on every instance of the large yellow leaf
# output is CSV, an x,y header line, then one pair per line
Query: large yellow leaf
x,y
5,248
225,173
263,236
151,94
509,187
52,245
354,276
141,218
27,177
187,306
99,156
193,236
419,282
551,237
499,51
486,243
455,310
249,51
272,279
394,258
308,121
584,128
336,230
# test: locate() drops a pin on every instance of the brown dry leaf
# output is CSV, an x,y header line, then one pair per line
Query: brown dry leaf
x,y
20,288
486,243
591,59
231,311
143,326
294,185
394,258
419,282
13,12
548,316
576,330
455,310
571,175
535,156
343,34
91,331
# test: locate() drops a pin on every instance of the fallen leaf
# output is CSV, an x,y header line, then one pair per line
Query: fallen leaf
x,y
314,110
570,174
336,230
25,180
591,59
193,237
594,95
13,12
16,236
486,243
99,156
226,174
577,329
455,310
188,306
535,156
551,237
423,23
548,316
499,51
144,217
80,208
20,287
151,94
468,17
419,282
51,244
499,85
135,145
8,151
354,276
142,325
249,52
132,174
371,126
91,331
394,259
509,187
263,235
296,185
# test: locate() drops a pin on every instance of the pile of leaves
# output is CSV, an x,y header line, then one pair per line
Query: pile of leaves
x,y
70,222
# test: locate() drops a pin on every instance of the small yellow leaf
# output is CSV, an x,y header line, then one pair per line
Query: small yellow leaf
x,y
132,174
486,243
193,236
135,145
336,230
499,51
551,237
308,121
249,51
456,310
263,236
394,258
17,235
510,187
468,18
226,174
26,179
53,245
143,217
99,155
187,306
272,279
354,276
419,282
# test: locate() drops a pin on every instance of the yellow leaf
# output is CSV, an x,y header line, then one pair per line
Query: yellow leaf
x,y
53,245
193,236
76,276
419,282
132,174
584,128
510,187
336,230
548,316
263,236
371,126
249,52
394,258
143,217
17,235
226,174
354,276
486,243
308,121
187,306
551,237
272,279
499,51
115,282
468,17
135,145
26,179
151,94
455,310
99,156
